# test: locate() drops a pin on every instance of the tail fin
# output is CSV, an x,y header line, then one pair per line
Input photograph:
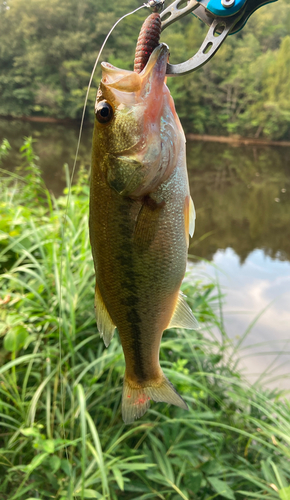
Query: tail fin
x,y
136,400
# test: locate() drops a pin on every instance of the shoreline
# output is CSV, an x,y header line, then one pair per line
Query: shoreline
x,y
234,140
39,119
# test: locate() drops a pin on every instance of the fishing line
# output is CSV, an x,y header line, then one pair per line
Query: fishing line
x,y
90,82
67,204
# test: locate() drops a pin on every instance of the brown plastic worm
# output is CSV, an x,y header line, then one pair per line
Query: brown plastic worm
x,y
147,41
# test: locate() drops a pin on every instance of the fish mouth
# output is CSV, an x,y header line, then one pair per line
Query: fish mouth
x,y
126,81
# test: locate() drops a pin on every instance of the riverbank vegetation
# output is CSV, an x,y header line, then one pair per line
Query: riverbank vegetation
x,y
48,49
61,433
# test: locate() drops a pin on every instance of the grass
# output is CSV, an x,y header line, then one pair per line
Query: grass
x,y
61,433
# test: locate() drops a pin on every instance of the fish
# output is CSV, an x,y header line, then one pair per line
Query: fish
x,y
140,218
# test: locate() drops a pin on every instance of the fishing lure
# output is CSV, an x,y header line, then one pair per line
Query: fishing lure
x,y
147,41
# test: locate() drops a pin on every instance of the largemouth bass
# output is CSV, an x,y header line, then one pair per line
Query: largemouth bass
x,y
141,215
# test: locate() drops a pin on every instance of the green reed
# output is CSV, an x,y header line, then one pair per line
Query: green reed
x,y
61,433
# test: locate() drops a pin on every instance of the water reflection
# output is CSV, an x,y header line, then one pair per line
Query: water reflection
x,y
55,145
242,198
261,286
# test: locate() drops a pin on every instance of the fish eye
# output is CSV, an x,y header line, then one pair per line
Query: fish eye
x,y
104,112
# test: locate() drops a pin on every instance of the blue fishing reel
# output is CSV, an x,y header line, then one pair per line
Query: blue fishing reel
x,y
224,17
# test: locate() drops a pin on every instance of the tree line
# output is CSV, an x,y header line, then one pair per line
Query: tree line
x,y
48,49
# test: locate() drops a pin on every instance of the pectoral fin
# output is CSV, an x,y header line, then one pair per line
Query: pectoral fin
x,y
192,217
147,222
189,218
105,325
182,316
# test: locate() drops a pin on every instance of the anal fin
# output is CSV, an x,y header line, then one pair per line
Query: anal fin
x,y
105,324
182,316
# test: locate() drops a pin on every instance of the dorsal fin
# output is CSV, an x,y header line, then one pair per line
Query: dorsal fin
x,y
105,324
182,316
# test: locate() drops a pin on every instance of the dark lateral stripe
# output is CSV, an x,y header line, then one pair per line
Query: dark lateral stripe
x,y
139,369
130,299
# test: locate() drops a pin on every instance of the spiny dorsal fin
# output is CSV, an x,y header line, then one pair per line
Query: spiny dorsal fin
x,y
182,316
105,325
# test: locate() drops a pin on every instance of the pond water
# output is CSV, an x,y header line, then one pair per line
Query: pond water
x,y
242,200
